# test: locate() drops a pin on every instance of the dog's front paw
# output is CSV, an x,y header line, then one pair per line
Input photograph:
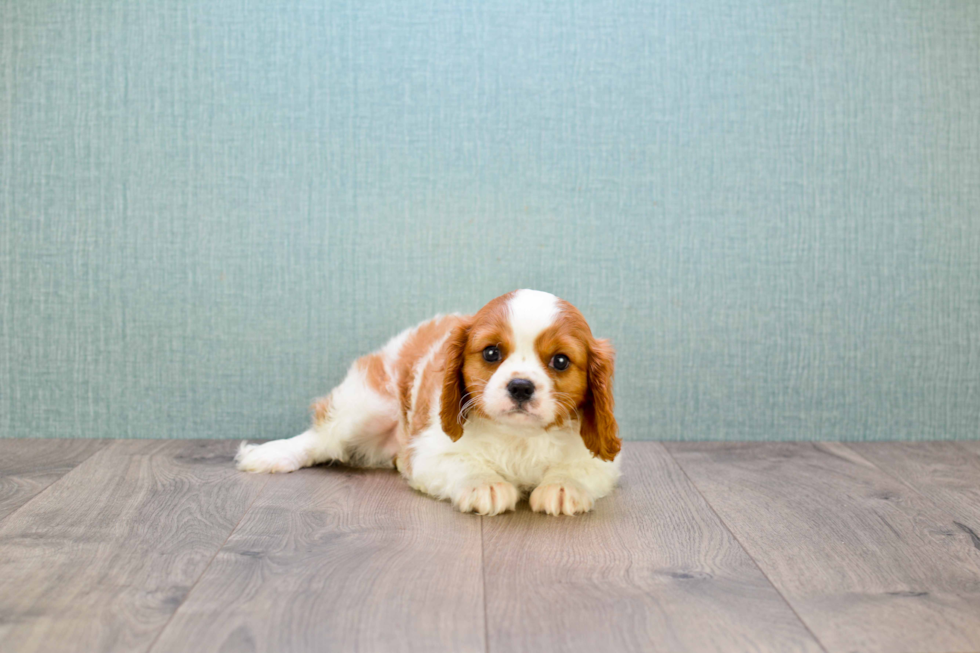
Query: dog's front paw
x,y
489,499
565,498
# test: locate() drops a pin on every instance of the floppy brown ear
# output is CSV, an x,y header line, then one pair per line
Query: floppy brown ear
x,y
453,385
599,429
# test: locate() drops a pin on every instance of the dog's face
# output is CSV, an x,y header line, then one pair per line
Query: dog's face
x,y
529,360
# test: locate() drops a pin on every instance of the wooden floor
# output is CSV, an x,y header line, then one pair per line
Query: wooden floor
x,y
163,546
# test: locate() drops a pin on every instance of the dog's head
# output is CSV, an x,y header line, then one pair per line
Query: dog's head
x,y
529,360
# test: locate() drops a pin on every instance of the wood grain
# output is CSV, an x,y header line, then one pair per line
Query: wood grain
x,y
868,563
946,472
332,558
100,561
874,545
652,568
27,467
973,446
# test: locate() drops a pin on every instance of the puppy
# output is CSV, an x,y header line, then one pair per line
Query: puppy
x,y
475,409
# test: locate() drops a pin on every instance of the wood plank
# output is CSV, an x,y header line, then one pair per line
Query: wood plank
x,y
28,466
867,563
100,561
652,568
345,559
946,472
973,446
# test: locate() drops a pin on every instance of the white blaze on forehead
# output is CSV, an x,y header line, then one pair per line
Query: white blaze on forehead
x,y
531,312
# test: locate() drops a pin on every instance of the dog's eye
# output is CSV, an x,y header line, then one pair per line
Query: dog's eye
x,y
560,362
491,354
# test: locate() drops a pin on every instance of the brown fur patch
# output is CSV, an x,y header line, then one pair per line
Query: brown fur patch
x,y
569,335
373,367
585,387
466,373
431,380
321,409
415,348
599,431
406,369
453,385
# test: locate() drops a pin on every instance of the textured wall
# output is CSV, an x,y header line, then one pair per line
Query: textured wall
x,y
773,208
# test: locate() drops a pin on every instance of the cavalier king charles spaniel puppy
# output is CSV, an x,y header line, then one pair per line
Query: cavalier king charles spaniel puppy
x,y
477,409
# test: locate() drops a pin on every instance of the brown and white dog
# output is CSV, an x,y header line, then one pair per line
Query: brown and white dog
x,y
475,409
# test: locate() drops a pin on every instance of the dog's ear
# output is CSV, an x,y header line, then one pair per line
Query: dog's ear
x,y
599,429
453,384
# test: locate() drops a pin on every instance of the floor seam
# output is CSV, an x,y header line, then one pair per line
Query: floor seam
x,y
742,546
54,482
208,566
483,570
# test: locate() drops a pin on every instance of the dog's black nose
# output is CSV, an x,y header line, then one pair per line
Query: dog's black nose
x,y
520,389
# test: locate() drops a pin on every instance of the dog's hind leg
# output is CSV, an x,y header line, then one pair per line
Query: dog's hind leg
x,y
355,424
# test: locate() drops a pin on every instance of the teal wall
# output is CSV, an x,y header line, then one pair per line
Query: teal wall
x,y
207,209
